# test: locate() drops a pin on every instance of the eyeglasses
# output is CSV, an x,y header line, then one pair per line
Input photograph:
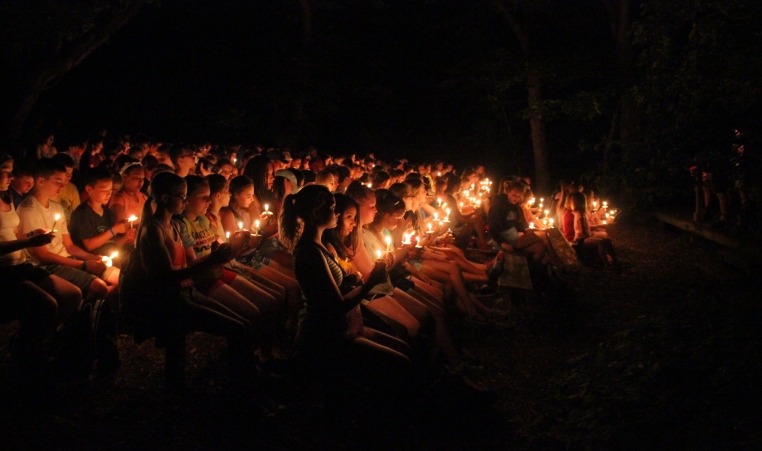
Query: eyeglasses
x,y
182,197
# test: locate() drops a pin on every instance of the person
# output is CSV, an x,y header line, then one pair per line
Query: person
x,y
582,238
234,217
95,228
223,285
159,284
128,201
22,181
324,344
69,196
183,159
30,294
342,242
507,224
61,256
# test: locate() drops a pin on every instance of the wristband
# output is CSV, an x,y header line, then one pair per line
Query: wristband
x,y
84,265
112,232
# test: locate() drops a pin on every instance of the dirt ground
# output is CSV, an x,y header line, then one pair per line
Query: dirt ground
x,y
664,355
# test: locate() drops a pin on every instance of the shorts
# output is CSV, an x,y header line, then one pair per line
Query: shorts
x,y
270,246
15,274
253,259
206,286
510,236
81,279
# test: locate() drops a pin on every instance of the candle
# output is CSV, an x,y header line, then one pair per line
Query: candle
x,y
108,260
227,236
605,222
436,216
56,218
531,225
267,209
540,204
542,199
461,205
240,225
406,238
256,226
447,210
429,227
132,219
550,221
546,212
388,243
378,254
545,222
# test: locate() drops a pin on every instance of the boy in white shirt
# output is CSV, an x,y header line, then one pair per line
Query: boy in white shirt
x,y
38,211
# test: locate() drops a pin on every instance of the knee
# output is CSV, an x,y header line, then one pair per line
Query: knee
x,y
98,289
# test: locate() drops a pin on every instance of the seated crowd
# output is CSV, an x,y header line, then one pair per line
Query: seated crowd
x,y
353,265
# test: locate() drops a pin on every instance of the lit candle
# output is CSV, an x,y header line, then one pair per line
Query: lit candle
x,y
542,199
267,209
540,204
406,238
429,227
546,212
605,222
545,222
436,216
447,210
550,221
108,260
240,225
227,236
461,205
56,218
132,219
531,225
378,254
388,243
256,226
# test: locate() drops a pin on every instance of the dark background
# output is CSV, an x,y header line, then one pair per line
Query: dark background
x,y
395,78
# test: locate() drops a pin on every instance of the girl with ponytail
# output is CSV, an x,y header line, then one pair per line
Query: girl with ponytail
x,y
158,283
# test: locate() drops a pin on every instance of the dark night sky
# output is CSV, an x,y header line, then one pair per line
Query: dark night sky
x,y
403,79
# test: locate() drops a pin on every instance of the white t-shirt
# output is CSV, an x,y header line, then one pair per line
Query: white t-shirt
x,y
34,216
9,220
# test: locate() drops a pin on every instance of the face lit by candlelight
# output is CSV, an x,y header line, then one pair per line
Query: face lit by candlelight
x,y
348,221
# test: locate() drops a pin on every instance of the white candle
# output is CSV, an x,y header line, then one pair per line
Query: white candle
x,y
56,218
378,254
429,227
436,216
256,226
550,221
388,243
267,209
240,225
531,225
447,210
406,238
108,260
546,212
132,219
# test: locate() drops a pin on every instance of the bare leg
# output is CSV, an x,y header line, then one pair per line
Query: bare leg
x,y
67,296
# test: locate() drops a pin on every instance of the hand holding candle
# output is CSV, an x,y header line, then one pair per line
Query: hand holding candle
x,y
108,260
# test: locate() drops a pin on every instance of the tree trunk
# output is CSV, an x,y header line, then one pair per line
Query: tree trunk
x,y
537,125
620,17
534,95
60,62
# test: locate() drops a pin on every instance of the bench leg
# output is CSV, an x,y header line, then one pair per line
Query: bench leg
x,y
174,363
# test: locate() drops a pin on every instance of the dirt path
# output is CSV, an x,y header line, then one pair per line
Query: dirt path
x,y
665,355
